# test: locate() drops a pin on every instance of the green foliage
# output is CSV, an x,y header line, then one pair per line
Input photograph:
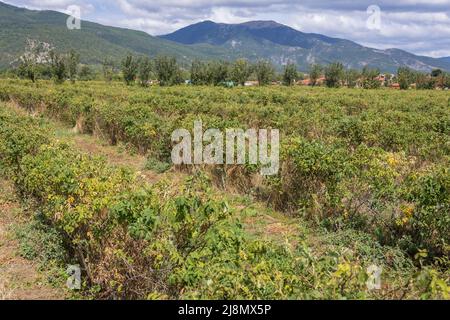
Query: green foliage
x,y
369,78
334,73
108,69
86,73
199,73
351,77
27,70
129,69
264,72
145,70
240,71
346,164
217,72
312,172
405,77
211,73
156,165
290,74
315,71
39,241
424,82
33,61
436,73
73,60
426,221
58,67
167,71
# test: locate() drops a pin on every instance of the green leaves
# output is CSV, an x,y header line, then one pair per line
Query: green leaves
x,y
375,161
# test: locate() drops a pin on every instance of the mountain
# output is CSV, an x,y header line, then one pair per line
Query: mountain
x,y
221,33
206,40
446,59
280,43
93,41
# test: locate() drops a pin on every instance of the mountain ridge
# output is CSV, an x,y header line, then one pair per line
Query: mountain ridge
x,y
302,48
93,41
206,40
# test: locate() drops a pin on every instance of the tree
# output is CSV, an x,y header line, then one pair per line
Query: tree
x,y
405,77
351,77
315,71
436,73
86,73
424,81
27,69
73,60
240,71
145,69
290,74
167,71
217,72
108,69
334,74
264,72
35,57
446,80
58,67
129,69
442,80
199,73
388,79
370,78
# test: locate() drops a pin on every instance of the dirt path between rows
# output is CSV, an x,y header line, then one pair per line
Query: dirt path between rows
x,y
19,278
95,146
275,226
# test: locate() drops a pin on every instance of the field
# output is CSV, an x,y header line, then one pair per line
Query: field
x,y
364,180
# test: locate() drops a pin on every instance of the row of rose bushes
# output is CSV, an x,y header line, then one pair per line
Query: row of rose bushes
x,y
417,123
377,161
140,241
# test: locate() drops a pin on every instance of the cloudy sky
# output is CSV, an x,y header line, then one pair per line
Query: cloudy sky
x,y
418,26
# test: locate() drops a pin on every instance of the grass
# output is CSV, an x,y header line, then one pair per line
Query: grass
x,y
156,165
32,253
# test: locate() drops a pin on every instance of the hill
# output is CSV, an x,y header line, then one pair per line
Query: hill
x,y
206,40
280,43
93,41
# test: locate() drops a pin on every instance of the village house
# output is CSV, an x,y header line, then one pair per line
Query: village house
x,y
307,82
251,83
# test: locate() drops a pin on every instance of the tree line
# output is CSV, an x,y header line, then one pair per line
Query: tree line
x,y
40,60
167,72
335,75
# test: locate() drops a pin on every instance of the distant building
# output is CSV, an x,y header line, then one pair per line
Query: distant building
x,y
381,78
307,82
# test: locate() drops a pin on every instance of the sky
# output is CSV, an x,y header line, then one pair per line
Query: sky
x,y
418,26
